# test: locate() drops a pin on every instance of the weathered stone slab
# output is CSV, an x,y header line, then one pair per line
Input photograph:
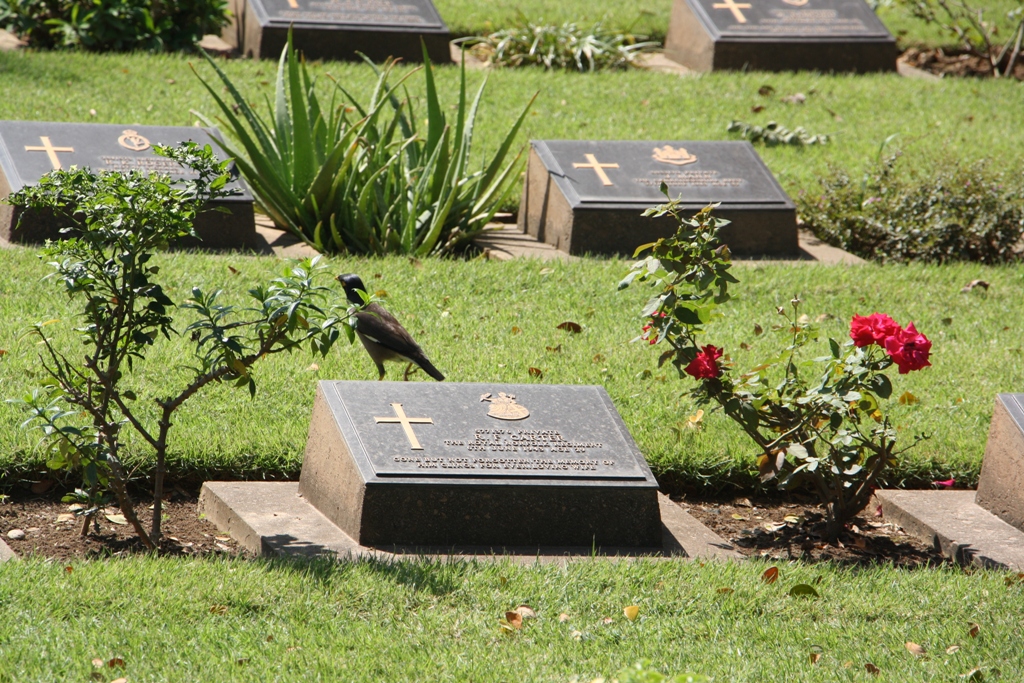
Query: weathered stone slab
x,y
952,522
6,553
587,196
432,464
271,518
30,149
779,35
1001,485
339,29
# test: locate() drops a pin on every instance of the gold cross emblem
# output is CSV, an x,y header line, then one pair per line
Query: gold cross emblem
x,y
407,423
598,168
734,8
50,150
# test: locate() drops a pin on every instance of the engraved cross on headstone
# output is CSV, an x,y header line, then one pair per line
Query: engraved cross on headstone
x,y
598,167
407,423
50,150
735,8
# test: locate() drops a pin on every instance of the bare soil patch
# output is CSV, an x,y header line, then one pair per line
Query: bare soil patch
x,y
51,529
790,529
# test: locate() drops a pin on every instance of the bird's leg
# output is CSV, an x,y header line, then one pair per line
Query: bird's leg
x,y
408,368
380,369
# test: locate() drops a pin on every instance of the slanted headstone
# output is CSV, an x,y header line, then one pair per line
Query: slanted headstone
x,y
779,35
30,149
339,29
588,196
1001,485
477,464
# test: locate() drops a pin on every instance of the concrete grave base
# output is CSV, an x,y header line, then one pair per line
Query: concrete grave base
x,y
951,521
271,518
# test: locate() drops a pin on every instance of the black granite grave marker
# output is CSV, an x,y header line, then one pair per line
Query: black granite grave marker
x,y
410,463
587,196
30,149
339,29
779,35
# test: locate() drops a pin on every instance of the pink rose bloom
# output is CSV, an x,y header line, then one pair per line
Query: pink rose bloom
x,y
704,366
909,349
874,329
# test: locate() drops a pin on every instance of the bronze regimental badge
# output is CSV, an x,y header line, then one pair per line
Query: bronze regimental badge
x,y
504,407
133,141
675,156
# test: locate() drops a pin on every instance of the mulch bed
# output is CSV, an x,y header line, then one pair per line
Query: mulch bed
x,y
768,527
957,63
791,530
53,531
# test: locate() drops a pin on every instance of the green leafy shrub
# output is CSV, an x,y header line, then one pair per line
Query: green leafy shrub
x,y
773,133
113,25
962,212
86,407
566,47
817,422
365,178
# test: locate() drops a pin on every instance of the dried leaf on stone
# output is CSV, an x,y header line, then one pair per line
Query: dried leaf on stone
x,y
570,326
914,649
631,612
771,575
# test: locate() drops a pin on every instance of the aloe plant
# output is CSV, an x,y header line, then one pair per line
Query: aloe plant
x,y
361,178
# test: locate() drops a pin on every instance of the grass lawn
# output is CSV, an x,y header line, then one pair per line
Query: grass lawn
x,y
236,620
466,316
934,123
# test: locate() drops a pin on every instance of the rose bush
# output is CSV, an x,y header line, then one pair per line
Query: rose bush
x,y
818,423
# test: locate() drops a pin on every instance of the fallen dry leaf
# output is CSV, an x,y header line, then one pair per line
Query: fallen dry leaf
x,y
607,620
738,517
3,352
563,617
570,326
765,90
914,649
908,399
415,262
973,675
631,612
218,609
65,517
952,649
536,372
116,519
546,271
757,108
234,271
525,611
514,619
116,662
792,519
872,669
725,590
313,367
815,657
795,98
803,590
120,680
576,635
974,284
554,349
516,329
771,575
97,662
975,630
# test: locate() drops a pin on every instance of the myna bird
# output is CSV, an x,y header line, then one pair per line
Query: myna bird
x,y
382,336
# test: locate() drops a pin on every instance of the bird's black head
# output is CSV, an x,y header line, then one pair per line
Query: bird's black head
x,y
351,283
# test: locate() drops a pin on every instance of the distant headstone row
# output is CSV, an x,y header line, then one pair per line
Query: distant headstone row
x,y
30,149
339,29
588,196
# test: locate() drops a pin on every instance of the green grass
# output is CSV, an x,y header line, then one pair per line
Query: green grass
x,y
934,122
284,621
463,313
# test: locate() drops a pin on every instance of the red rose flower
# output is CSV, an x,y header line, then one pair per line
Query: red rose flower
x,y
909,349
874,329
704,366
